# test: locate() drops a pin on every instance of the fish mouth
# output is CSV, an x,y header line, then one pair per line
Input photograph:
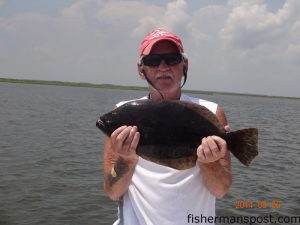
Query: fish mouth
x,y
100,124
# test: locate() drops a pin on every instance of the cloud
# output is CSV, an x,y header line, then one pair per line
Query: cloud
x,y
76,11
205,23
250,24
113,14
293,50
83,12
174,17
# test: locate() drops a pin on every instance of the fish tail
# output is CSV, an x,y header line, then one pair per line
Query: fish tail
x,y
243,144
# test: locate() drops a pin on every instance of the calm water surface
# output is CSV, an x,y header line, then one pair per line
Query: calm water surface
x,y
51,155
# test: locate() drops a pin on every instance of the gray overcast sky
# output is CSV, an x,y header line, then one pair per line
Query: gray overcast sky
x,y
249,46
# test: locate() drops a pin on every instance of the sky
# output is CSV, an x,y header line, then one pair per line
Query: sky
x,y
248,46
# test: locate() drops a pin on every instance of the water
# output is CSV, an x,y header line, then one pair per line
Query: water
x,y
51,155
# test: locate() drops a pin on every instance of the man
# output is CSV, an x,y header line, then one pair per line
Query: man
x,y
156,191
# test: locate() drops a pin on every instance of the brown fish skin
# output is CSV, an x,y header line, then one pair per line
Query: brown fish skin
x,y
174,129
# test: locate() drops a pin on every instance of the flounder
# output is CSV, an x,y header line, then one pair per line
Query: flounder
x,y
171,129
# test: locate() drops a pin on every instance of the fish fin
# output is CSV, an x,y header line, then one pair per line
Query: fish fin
x,y
205,113
243,144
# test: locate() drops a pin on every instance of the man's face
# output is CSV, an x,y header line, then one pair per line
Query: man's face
x,y
166,78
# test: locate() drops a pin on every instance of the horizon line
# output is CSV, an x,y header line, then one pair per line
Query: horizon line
x,y
126,87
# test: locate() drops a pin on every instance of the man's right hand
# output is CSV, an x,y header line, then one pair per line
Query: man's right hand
x,y
120,159
124,142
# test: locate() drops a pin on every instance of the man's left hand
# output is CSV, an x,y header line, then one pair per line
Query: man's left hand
x,y
212,148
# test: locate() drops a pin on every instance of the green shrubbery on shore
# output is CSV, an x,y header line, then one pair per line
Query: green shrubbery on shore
x,y
120,87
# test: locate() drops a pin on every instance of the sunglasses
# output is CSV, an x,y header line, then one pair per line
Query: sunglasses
x,y
155,59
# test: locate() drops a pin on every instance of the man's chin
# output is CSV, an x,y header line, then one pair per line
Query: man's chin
x,y
164,83
166,87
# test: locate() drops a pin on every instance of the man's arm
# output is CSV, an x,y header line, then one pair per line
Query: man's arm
x,y
120,160
215,162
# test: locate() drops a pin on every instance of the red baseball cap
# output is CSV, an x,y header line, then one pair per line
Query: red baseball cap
x,y
156,35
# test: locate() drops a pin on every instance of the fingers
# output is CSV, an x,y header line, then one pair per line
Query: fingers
x,y
211,149
214,148
134,142
116,133
207,154
119,136
222,145
226,128
129,138
125,139
200,152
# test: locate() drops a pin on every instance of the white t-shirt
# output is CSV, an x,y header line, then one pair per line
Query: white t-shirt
x,y
160,195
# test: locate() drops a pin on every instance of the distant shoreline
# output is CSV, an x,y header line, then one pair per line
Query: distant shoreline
x,y
121,87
